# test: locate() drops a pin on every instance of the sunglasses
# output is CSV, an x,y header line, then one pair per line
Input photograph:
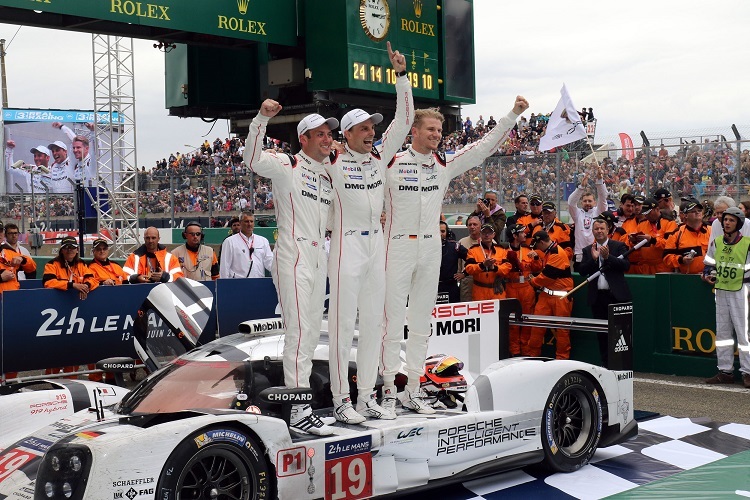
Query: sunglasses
x,y
536,203
195,234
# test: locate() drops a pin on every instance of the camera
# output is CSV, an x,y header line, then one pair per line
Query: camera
x,y
485,201
691,253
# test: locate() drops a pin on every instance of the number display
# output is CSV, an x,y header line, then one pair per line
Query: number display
x,y
374,74
725,271
349,477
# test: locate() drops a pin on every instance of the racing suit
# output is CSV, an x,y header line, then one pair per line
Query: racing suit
x,y
357,253
415,185
682,241
518,287
583,219
302,194
732,263
555,281
488,284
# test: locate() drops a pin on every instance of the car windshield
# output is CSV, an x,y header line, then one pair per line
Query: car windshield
x,y
185,384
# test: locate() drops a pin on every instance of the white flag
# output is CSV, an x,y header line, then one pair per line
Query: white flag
x,y
564,126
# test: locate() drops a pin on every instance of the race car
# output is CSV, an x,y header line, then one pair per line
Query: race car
x,y
213,423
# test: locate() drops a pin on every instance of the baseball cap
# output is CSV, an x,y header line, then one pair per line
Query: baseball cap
x,y
314,121
68,241
662,194
41,149
639,199
690,204
488,227
537,237
607,217
357,116
648,205
516,228
548,206
535,198
58,144
100,241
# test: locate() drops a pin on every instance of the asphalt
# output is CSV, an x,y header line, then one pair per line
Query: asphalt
x,y
691,397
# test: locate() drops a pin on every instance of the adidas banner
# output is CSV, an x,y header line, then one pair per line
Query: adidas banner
x,y
620,336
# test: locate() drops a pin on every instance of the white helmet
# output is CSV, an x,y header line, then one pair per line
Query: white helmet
x,y
735,212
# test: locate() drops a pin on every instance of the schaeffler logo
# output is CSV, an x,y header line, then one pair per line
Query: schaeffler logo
x,y
242,6
418,8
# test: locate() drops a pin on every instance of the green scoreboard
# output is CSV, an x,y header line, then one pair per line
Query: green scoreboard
x,y
346,46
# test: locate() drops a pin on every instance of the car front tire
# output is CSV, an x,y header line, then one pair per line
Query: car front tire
x,y
217,463
571,423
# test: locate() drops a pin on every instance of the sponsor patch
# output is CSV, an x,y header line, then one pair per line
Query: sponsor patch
x,y
220,435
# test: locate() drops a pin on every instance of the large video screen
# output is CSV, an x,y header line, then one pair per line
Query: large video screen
x,y
52,150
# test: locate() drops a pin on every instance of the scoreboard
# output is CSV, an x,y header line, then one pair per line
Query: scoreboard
x,y
346,46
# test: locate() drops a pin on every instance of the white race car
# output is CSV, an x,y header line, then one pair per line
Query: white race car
x,y
211,424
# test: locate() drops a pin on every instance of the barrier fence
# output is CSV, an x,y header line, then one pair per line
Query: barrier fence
x,y
673,323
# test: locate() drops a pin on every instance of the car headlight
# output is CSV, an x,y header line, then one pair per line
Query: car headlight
x,y
63,473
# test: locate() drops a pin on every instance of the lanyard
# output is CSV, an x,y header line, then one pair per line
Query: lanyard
x,y
250,249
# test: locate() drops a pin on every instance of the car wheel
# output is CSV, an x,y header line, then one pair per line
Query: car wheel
x,y
216,463
571,423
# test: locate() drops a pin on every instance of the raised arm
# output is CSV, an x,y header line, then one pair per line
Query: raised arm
x,y
399,128
261,162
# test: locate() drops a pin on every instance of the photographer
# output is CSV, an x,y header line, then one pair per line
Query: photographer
x,y
489,212
726,262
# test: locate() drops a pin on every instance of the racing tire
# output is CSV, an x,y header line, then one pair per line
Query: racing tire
x,y
571,423
219,462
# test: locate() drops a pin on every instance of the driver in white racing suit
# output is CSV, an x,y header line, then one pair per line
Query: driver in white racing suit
x,y
416,181
357,254
302,194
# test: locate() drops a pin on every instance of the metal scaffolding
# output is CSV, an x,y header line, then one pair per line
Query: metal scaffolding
x,y
116,193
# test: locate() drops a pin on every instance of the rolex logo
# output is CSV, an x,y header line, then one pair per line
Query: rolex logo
x,y
418,8
242,6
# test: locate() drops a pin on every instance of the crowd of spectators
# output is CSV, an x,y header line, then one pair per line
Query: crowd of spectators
x,y
699,169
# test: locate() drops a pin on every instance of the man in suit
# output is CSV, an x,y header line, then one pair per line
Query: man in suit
x,y
610,287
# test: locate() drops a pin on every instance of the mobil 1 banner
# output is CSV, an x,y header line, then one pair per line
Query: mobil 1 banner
x,y
468,331
50,150
620,336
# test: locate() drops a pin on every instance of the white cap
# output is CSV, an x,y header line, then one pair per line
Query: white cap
x,y
357,116
40,149
314,121
58,144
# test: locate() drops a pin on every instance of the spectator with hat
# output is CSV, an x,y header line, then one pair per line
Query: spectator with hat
x,y
727,267
106,272
198,261
517,285
553,281
605,255
583,216
557,230
487,263
656,228
68,272
686,247
664,199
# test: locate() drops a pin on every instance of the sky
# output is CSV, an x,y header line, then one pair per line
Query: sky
x,y
670,68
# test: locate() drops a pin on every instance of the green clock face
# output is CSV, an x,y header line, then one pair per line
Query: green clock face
x,y
375,17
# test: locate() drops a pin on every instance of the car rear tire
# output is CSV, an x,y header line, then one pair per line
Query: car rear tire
x,y
216,463
571,423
